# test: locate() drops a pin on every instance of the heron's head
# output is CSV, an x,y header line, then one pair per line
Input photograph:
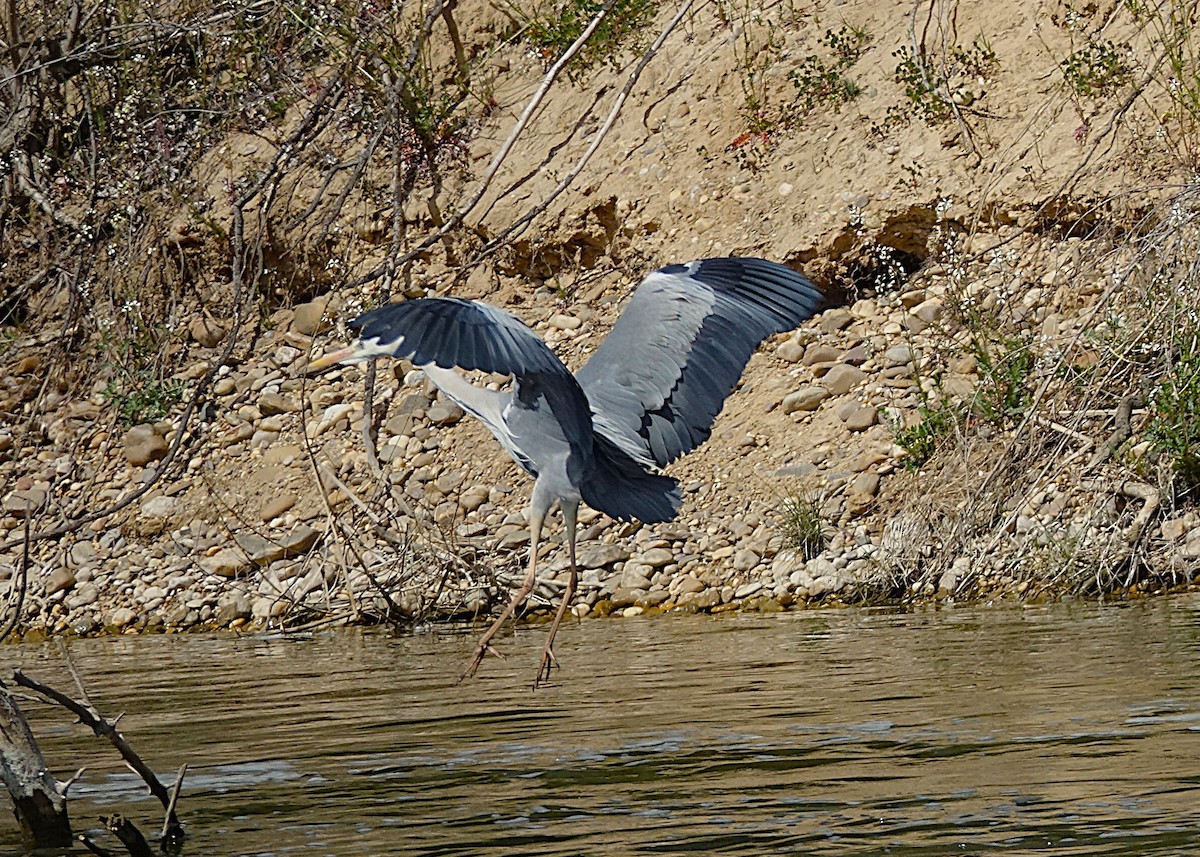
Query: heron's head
x,y
357,352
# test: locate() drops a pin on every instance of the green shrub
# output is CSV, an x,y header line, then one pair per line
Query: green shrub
x,y
1096,70
921,440
820,83
554,28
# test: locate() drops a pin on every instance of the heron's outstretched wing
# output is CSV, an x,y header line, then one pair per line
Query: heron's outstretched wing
x,y
661,377
455,332
452,332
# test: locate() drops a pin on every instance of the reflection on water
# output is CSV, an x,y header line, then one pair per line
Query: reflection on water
x,y
1072,729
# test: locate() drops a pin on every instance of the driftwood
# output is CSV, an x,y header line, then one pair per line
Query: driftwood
x,y
105,728
39,800
130,836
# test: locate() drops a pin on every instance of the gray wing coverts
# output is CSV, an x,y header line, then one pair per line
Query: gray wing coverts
x,y
455,332
661,377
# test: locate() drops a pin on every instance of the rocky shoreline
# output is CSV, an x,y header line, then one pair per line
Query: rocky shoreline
x,y
273,516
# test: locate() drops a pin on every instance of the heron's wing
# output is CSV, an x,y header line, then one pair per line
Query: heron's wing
x,y
452,332
661,377
455,332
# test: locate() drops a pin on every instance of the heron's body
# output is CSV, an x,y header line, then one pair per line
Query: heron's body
x,y
648,394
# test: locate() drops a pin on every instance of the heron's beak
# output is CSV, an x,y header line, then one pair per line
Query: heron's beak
x,y
331,357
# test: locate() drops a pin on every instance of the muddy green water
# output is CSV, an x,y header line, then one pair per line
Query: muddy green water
x,y
1058,729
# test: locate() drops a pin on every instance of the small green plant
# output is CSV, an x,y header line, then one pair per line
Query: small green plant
x,y
801,524
977,61
822,84
555,27
921,440
137,389
1097,70
936,89
1005,366
143,400
1174,429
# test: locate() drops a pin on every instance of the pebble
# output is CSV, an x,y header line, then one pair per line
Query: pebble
x,y
842,378
865,484
595,555
858,416
473,497
160,507
121,617
310,318
834,320
897,355
704,600
745,559
144,444
804,399
60,580
206,332
82,596
819,353
564,322
657,557
688,584
277,505
748,589
272,403
445,413
929,311
633,576
791,351
226,562
24,501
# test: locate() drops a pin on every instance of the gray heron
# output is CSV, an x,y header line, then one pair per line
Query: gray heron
x,y
649,393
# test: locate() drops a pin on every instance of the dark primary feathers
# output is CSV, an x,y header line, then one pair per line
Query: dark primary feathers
x,y
455,332
661,377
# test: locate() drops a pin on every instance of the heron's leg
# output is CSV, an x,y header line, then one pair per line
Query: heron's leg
x,y
570,510
537,515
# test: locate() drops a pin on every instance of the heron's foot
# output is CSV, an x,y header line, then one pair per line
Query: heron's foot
x,y
481,651
549,661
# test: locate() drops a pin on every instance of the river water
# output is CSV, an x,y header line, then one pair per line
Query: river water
x,y
1066,729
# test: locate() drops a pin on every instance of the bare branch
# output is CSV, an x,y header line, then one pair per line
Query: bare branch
x,y
94,848
103,728
18,585
523,221
130,836
175,789
501,154
39,801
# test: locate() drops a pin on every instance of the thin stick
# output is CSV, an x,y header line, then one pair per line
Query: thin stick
x,y
166,828
19,583
93,847
83,694
597,139
498,159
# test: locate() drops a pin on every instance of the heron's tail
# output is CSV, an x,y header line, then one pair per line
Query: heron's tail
x,y
621,488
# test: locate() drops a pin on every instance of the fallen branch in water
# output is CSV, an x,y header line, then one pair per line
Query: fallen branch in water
x,y
39,800
125,830
104,728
